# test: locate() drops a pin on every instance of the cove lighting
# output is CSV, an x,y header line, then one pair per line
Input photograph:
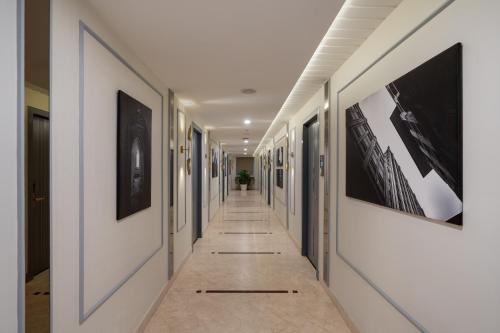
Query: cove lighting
x,y
327,58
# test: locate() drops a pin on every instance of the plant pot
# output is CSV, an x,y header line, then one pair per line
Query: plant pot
x,y
243,187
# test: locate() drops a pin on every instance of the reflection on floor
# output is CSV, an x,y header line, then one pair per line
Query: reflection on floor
x,y
286,296
38,304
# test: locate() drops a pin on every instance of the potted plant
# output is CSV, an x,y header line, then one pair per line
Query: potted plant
x,y
243,179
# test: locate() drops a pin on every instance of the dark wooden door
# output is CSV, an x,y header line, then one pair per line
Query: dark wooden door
x,y
197,185
38,226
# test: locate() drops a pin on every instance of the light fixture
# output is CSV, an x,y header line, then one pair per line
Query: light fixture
x,y
244,153
247,121
245,149
245,140
248,91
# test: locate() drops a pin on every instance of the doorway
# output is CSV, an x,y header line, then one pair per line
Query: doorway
x,y
38,227
310,192
223,176
197,184
260,174
36,265
269,178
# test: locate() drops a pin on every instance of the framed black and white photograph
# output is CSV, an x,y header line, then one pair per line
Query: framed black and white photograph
x,y
215,164
134,156
404,142
279,157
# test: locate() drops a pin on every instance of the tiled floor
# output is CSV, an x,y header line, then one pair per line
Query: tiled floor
x,y
246,224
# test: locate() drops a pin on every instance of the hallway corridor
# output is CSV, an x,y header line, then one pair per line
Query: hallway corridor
x,y
245,248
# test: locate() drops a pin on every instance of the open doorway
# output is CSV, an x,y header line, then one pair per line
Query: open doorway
x,y
197,184
310,190
37,157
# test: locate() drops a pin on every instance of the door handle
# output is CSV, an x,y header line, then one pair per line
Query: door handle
x,y
38,199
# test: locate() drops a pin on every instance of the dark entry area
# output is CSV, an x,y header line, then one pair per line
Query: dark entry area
x,y
269,178
197,185
224,175
310,197
38,227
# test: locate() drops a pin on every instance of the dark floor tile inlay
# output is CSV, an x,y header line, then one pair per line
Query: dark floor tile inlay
x,y
246,291
248,252
246,233
243,220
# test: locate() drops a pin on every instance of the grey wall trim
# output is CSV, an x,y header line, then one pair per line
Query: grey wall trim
x,y
292,149
381,292
82,314
177,112
21,269
51,243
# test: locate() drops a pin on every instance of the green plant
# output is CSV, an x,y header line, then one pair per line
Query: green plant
x,y
243,177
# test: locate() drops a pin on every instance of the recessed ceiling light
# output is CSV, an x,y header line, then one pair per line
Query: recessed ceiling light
x,y
245,149
244,153
245,140
248,91
247,121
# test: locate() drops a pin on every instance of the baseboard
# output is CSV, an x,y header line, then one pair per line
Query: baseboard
x,y
350,324
156,304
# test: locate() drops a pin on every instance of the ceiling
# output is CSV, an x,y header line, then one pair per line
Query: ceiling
x,y
354,23
207,51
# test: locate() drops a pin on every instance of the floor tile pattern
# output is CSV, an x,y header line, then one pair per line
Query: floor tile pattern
x,y
224,293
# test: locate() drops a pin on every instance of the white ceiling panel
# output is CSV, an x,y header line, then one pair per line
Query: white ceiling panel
x,y
355,22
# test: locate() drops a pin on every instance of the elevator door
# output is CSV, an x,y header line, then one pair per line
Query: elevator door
x,y
311,194
269,178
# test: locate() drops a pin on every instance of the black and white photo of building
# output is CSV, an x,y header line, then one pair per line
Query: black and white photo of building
x,y
404,142
134,156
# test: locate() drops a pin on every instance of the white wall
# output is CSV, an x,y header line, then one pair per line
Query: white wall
x,y
183,235
8,167
125,309
445,278
280,194
215,187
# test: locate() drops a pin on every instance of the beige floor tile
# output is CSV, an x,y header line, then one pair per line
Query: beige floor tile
x,y
185,310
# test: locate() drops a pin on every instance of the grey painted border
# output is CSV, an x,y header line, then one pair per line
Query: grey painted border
x,y
178,111
293,149
379,290
21,269
82,314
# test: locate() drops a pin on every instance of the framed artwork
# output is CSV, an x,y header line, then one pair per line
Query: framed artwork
x,y
134,156
279,178
404,142
215,164
279,156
